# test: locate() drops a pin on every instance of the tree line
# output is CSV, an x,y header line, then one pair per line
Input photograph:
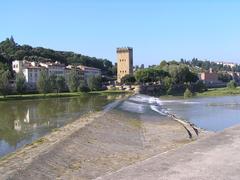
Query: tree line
x,y
174,77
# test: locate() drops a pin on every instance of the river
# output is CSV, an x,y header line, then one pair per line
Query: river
x,y
210,113
23,121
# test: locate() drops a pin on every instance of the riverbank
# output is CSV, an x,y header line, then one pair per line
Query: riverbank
x,y
59,95
95,145
219,92
213,92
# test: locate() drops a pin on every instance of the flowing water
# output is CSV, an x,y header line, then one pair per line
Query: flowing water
x,y
210,113
24,121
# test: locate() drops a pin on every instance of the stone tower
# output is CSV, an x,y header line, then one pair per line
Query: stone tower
x,y
124,62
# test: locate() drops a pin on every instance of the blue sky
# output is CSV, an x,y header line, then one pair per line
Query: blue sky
x,y
156,29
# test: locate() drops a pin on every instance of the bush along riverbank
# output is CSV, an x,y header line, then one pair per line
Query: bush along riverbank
x,y
59,95
220,92
208,93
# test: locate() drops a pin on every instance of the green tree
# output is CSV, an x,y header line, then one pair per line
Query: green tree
x,y
95,83
52,83
60,84
4,82
224,77
167,82
232,84
128,79
83,88
163,63
20,83
43,85
73,80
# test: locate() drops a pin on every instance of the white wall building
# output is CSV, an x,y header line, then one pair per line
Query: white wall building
x,y
31,70
89,71
56,68
231,64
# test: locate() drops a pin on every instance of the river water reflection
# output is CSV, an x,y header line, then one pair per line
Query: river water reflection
x,y
210,113
24,121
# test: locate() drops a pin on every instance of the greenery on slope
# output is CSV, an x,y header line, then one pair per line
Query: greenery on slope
x,y
10,50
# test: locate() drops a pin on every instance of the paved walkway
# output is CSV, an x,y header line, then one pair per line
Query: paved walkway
x,y
214,157
93,146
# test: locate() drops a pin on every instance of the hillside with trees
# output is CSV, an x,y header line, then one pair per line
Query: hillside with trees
x,y
10,50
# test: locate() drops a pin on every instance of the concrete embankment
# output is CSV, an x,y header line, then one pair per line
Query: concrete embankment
x,y
95,145
214,157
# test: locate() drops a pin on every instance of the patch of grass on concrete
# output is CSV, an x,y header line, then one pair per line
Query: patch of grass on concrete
x,y
135,123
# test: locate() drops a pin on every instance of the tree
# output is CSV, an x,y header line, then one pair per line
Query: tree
x,y
181,74
52,83
128,79
43,85
94,83
20,83
167,82
163,63
83,88
73,80
11,50
232,84
60,84
4,82
199,86
224,77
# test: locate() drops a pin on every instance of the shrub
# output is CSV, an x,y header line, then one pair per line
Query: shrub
x,y
95,83
83,88
128,79
199,86
232,84
20,83
188,93
43,82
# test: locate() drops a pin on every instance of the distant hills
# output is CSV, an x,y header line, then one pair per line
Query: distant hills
x,y
10,50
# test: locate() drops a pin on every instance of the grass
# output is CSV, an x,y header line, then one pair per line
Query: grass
x,y
219,92
209,93
109,92
135,123
55,95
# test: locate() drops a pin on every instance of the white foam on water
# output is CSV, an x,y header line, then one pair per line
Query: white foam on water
x,y
188,102
132,107
140,98
155,108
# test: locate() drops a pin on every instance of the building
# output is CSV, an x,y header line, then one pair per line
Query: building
x,y
31,70
89,71
124,62
56,68
230,64
209,77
